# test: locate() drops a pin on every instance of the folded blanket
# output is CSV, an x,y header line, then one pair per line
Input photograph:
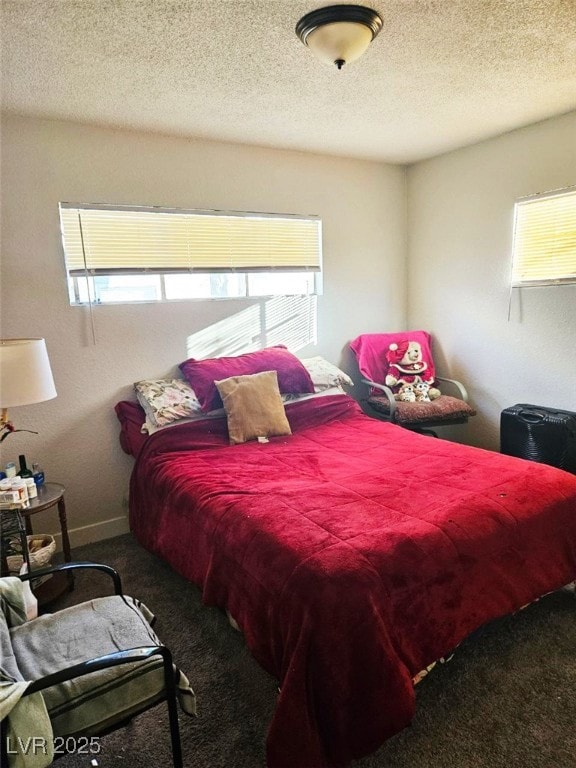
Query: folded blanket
x,y
27,715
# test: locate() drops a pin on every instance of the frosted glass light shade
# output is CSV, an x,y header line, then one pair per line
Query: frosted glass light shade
x,y
342,41
339,34
25,373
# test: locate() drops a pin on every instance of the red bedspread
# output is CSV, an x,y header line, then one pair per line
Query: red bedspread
x,y
352,554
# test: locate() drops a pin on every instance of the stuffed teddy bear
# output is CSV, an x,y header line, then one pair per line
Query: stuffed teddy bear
x,y
422,392
406,394
406,366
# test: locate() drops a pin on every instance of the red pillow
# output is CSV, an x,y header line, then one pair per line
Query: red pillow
x,y
131,416
293,377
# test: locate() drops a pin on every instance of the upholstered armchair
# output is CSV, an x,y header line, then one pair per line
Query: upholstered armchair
x,y
396,381
80,672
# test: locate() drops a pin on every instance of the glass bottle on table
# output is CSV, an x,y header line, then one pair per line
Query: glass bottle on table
x,y
24,472
37,473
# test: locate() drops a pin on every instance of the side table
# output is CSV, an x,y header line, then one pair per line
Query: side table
x,y
50,495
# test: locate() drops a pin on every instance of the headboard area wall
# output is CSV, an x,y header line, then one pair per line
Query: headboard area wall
x,y
363,209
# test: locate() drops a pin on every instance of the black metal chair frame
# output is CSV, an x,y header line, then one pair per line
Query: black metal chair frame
x,y
112,660
424,427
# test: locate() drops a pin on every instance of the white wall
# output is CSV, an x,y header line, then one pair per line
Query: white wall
x,y
362,205
460,235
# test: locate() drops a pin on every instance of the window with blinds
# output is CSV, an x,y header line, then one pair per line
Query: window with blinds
x,y
544,250
119,254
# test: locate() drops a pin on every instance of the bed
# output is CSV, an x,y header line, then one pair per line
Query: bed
x,y
352,553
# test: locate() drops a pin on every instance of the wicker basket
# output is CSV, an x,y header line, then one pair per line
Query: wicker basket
x,y
41,547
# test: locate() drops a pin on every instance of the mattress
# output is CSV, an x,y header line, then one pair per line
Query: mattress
x,y
353,554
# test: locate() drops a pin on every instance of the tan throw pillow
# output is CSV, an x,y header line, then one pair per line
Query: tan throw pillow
x,y
254,406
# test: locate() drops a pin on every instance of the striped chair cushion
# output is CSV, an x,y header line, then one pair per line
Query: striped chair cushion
x,y
97,702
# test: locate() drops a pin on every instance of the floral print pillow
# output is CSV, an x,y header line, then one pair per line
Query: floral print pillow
x,y
166,400
325,375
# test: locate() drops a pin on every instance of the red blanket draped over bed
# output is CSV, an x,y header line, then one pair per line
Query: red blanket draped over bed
x,y
352,553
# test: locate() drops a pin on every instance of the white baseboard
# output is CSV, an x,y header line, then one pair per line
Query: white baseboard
x,y
88,534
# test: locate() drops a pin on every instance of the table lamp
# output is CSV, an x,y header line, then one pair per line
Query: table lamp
x,y
25,377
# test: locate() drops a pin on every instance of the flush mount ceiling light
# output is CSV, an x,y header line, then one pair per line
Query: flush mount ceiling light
x,y
339,34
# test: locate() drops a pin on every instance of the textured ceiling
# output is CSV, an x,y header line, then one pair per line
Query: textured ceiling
x,y
441,74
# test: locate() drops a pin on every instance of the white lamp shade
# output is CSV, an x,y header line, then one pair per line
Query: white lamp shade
x,y
25,373
341,41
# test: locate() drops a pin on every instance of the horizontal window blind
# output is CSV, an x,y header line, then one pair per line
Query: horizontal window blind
x,y
103,240
545,240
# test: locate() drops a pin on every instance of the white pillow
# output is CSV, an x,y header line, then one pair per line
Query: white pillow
x,y
324,374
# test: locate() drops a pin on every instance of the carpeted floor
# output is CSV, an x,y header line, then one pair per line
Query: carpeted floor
x,y
506,700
